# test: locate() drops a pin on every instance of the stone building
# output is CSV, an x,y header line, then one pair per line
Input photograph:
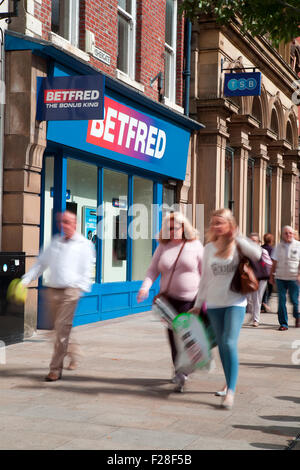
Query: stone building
x,y
247,156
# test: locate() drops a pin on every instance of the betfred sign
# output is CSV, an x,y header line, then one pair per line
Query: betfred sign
x,y
71,98
130,135
127,131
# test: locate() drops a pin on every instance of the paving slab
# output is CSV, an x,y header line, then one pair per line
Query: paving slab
x,y
121,396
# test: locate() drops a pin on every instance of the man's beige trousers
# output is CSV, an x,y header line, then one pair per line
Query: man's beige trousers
x,y
61,305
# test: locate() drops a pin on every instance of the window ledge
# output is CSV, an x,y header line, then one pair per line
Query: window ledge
x,y
65,44
126,79
174,106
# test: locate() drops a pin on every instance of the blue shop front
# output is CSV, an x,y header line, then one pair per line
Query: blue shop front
x,y
115,174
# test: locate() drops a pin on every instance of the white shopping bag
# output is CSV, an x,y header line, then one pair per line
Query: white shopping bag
x,y
194,351
165,311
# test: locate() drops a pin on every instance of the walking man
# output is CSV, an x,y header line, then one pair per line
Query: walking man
x,y
70,258
286,271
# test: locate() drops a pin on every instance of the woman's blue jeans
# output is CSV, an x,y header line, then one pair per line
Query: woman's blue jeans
x,y
227,323
293,289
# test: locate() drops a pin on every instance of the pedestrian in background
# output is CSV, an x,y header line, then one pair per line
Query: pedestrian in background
x,y
176,230
70,259
269,246
254,299
285,271
225,308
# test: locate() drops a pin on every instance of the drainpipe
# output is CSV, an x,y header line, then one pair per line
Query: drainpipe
x,y
187,71
2,100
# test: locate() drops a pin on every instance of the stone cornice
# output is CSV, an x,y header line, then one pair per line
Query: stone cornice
x,y
292,156
282,146
266,135
259,51
245,120
264,57
217,103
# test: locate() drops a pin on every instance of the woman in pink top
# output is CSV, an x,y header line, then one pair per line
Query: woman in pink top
x,y
184,285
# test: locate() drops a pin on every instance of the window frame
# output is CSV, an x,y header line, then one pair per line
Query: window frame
x,y
170,49
130,18
72,22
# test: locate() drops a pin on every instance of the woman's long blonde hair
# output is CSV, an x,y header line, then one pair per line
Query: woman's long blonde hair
x,y
226,248
189,232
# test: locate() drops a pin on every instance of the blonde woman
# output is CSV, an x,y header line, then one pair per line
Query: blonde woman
x,y
225,308
176,231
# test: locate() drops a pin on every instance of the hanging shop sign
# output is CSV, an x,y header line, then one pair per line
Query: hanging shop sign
x,y
70,98
242,84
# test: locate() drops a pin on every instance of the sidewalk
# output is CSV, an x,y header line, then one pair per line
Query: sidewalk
x,y
121,396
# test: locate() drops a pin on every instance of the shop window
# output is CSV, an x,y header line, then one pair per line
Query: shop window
x,y
250,195
81,198
126,37
229,173
114,230
65,19
141,227
268,199
170,49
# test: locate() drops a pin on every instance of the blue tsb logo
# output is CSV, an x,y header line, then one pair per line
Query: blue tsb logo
x,y
242,84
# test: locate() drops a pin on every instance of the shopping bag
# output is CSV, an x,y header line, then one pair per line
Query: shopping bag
x,y
16,292
193,343
164,310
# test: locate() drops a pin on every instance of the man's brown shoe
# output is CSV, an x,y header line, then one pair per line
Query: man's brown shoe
x,y
297,325
52,377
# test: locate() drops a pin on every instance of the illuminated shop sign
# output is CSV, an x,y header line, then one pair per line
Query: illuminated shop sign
x,y
128,131
130,135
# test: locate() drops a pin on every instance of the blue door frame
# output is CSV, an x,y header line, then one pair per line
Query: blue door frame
x,y
106,300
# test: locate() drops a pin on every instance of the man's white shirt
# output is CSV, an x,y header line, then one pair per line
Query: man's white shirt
x,y
70,263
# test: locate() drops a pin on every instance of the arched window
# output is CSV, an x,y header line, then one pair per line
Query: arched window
x,y
274,122
289,133
256,110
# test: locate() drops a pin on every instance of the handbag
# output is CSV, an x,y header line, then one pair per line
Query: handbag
x,y
262,268
164,295
244,280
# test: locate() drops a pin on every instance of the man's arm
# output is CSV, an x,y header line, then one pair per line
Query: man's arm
x,y
88,263
38,268
273,269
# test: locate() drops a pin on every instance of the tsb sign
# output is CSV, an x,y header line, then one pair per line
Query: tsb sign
x,y
242,84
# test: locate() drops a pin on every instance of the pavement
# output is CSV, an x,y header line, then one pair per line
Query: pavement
x,y
121,397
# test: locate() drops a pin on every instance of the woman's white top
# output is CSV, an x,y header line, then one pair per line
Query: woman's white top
x,y
217,274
